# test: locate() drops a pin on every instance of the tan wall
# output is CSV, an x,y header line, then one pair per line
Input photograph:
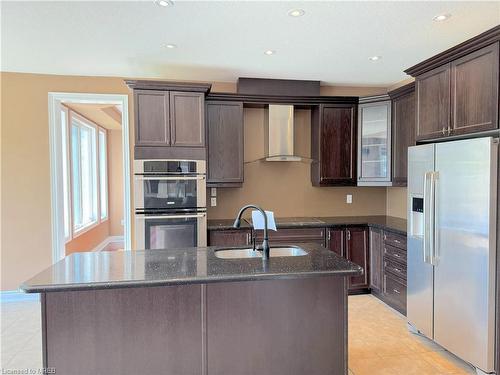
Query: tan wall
x,y
26,246
396,202
115,182
88,240
285,187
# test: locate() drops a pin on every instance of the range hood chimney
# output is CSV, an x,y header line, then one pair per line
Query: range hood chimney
x,y
279,134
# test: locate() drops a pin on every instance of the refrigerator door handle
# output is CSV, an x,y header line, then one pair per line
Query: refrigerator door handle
x,y
427,217
434,227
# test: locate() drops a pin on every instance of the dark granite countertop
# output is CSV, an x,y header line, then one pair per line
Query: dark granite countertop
x,y
127,269
390,223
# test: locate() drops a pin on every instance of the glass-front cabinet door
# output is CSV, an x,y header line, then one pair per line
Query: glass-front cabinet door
x,y
374,141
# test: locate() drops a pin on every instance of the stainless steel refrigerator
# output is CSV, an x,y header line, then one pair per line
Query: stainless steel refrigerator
x,y
452,245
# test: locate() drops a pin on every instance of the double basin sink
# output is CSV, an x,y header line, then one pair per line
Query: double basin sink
x,y
238,253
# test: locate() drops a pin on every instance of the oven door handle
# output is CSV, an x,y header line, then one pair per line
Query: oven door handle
x,y
171,178
144,217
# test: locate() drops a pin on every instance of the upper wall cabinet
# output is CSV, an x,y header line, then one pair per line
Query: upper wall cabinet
x,y
474,91
169,119
403,131
225,143
374,141
333,145
457,90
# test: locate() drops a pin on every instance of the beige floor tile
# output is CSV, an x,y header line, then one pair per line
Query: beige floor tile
x,y
447,363
370,366
410,365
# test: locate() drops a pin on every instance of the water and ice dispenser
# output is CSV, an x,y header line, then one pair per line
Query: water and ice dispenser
x,y
417,216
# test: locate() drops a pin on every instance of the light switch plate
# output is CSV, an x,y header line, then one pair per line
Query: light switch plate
x,y
348,198
213,201
213,192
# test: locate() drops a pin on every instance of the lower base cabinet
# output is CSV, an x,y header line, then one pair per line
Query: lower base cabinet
x,y
352,244
236,237
389,264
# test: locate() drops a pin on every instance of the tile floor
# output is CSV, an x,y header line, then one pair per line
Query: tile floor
x,y
379,342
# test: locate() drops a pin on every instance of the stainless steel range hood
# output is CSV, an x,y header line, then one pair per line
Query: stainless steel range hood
x,y
279,134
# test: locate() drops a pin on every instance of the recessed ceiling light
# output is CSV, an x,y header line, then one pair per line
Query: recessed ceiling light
x,y
296,12
171,46
374,58
441,17
269,52
164,3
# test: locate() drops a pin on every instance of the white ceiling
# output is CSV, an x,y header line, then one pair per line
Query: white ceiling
x,y
220,41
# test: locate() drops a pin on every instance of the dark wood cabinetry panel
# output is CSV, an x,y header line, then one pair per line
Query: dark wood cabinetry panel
x,y
293,236
403,132
187,116
237,237
152,126
376,260
335,241
474,88
395,292
433,103
224,143
333,145
357,251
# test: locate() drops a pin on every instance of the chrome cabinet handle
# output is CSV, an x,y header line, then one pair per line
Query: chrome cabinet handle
x,y
443,131
396,255
329,235
396,291
449,130
249,238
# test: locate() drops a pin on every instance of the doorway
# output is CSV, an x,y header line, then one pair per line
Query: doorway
x,y
90,173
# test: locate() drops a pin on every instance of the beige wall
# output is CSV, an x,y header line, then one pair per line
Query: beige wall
x,y
396,202
88,240
115,182
26,246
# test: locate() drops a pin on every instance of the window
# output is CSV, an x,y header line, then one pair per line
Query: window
x,y
84,174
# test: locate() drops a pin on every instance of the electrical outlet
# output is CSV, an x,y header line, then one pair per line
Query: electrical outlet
x,y
348,198
213,201
213,192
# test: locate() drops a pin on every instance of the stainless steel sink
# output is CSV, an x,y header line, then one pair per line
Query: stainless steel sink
x,y
290,251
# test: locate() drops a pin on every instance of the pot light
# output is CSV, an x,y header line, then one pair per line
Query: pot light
x,y
164,3
269,52
441,17
296,12
171,46
374,58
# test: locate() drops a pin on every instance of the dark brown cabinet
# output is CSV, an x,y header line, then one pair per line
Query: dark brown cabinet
x,y
293,236
433,103
169,119
187,117
376,263
335,241
403,131
474,88
457,91
224,143
357,251
352,244
333,145
152,118
236,237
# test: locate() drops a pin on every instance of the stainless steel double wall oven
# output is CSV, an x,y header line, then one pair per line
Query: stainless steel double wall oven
x,y
170,203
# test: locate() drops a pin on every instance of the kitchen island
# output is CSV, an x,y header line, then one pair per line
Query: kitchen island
x,y
188,311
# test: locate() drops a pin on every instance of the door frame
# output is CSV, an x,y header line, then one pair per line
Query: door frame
x,y
57,200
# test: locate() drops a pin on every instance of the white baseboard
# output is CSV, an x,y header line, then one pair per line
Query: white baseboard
x,y
107,241
18,296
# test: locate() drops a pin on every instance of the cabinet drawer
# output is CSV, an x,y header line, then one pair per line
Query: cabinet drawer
x,y
396,269
391,252
395,240
290,235
395,293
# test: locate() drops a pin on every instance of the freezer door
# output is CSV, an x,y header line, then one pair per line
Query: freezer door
x,y
464,272
420,271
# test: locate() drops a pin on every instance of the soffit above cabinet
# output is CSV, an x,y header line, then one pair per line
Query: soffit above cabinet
x,y
168,86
